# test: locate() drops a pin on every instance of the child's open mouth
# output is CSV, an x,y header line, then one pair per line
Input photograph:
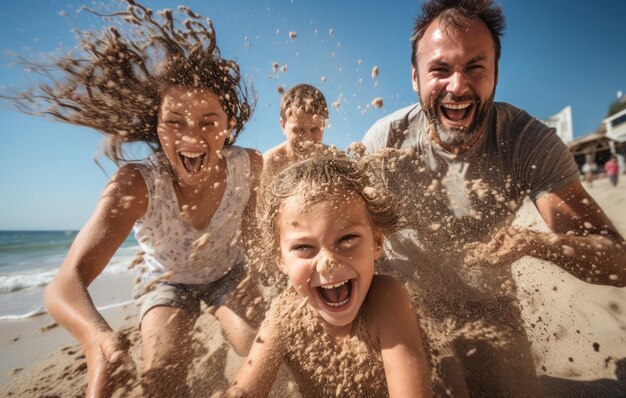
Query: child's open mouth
x,y
192,161
336,295
457,112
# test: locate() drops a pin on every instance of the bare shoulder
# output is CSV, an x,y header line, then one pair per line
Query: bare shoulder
x,y
276,153
388,297
128,180
387,285
274,161
126,190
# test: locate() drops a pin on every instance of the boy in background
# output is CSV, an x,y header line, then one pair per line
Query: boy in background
x,y
303,115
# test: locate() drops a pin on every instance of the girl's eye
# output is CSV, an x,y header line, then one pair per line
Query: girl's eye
x,y
303,251
301,248
348,241
210,123
173,122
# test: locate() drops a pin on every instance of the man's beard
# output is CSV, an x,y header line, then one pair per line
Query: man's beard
x,y
457,136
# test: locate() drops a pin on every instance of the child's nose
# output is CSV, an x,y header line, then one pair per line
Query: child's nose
x,y
326,264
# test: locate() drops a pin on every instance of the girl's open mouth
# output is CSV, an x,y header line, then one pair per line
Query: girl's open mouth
x,y
192,161
336,295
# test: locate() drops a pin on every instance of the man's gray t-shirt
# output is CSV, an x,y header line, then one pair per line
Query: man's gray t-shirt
x,y
449,201
470,195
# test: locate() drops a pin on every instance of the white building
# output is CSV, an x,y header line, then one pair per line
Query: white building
x,y
562,122
616,126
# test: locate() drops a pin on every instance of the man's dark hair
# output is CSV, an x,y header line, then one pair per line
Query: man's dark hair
x,y
456,13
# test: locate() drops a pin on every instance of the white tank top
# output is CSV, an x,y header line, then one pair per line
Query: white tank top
x,y
170,242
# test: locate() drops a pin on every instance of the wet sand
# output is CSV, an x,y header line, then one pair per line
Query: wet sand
x,y
577,330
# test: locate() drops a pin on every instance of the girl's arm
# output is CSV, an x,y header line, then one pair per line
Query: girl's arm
x,y
407,369
258,372
121,203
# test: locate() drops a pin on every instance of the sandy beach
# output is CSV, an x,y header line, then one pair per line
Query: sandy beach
x,y
577,330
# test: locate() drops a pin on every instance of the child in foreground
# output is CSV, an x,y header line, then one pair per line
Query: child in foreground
x,y
164,84
342,330
303,115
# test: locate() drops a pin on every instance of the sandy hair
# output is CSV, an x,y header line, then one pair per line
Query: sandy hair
x,y
115,79
315,180
305,97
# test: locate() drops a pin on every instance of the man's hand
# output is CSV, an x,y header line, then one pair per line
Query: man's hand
x,y
507,246
572,252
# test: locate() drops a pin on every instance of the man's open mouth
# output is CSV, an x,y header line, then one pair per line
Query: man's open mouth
x,y
336,295
457,112
192,161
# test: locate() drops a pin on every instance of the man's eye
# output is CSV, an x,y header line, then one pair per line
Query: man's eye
x,y
301,248
474,68
173,122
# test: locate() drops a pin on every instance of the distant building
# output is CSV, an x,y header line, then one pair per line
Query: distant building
x,y
562,122
616,126
609,139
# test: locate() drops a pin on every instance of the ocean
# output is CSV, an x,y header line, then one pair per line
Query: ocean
x,y
30,259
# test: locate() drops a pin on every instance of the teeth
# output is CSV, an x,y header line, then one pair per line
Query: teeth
x,y
334,286
191,154
339,304
457,106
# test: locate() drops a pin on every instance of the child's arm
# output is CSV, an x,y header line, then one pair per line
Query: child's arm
x,y
407,369
121,203
258,372
256,167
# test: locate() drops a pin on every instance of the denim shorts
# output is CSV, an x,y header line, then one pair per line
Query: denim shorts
x,y
186,296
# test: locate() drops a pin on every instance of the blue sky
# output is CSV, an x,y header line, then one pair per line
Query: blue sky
x,y
555,53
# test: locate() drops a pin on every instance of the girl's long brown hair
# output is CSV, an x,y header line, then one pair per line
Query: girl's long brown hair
x,y
113,81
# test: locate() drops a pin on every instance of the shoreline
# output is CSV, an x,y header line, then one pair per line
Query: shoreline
x,y
28,339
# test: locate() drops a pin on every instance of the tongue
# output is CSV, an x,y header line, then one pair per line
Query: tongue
x,y
336,295
193,165
454,114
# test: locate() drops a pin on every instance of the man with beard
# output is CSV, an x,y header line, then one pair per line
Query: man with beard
x,y
462,165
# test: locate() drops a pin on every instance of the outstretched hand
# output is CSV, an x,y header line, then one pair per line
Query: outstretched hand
x,y
109,366
507,246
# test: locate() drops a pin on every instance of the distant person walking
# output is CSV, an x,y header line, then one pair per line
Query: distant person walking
x,y
589,169
611,168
